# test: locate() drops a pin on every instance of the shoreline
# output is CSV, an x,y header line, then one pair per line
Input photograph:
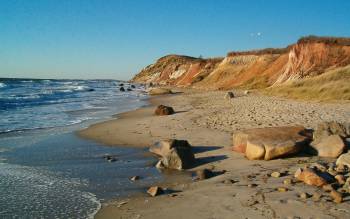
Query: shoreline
x,y
207,121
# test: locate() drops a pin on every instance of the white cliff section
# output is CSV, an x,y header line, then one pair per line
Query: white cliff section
x,y
153,77
176,74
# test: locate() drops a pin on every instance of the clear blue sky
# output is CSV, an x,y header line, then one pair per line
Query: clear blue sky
x,y
116,38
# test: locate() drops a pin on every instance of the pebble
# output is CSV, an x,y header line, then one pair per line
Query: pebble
x,y
328,188
154,191
316,196
288,181
282,189
276,174
134,178
252,185
337,197
340,179
304,195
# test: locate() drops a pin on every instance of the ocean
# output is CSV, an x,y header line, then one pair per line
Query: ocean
x,y
46,170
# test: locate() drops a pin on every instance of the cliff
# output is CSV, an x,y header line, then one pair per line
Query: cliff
x,y
309,57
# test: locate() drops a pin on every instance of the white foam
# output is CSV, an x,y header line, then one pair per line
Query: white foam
x,y
2,85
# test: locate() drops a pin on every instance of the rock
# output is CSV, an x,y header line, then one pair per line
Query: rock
x,y
332,172
341,169
159,91
155,190
330,128
337,197
229,181
270,143
134,178
121,84
91,89
316,196
175,154
276,174
162,110
133,86
327,188
282,189
328,146
304,195
310,177
229,95
204,174
288,181
252,185
246,92
129,89
340,179
122,89
344,160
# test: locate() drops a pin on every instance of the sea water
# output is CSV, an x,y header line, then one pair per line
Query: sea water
x,y
46,171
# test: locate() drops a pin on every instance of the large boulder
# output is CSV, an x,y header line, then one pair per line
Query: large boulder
x,y
344,160
331,128
270,143
162,110
159,91
328,146
175,154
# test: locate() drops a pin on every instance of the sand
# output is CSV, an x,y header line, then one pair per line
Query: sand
x,y
207,121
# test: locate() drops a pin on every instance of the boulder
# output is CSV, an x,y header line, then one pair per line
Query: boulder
x,y
331,128
133,86
155,190
122,89
162,110
229,95
272,142
159,91
129,89
328,146
246,92
310,177
344,160
175,154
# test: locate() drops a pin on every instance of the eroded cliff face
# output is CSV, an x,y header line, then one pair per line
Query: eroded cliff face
x,y
309,57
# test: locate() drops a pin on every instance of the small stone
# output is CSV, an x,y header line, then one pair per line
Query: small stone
x,y
287,181
252,185
316,196
229,181
340,179
154,191
282,189
340,168
337,197
134,178
111,160
327,188
276,174
304,195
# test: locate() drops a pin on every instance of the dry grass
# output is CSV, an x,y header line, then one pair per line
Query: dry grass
x,y
332,85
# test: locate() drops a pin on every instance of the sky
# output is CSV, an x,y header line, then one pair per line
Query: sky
x,y
114,39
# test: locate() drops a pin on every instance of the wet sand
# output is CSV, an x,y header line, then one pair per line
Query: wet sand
x,y
207,121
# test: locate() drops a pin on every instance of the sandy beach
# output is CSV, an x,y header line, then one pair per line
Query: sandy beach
x,y
244,189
